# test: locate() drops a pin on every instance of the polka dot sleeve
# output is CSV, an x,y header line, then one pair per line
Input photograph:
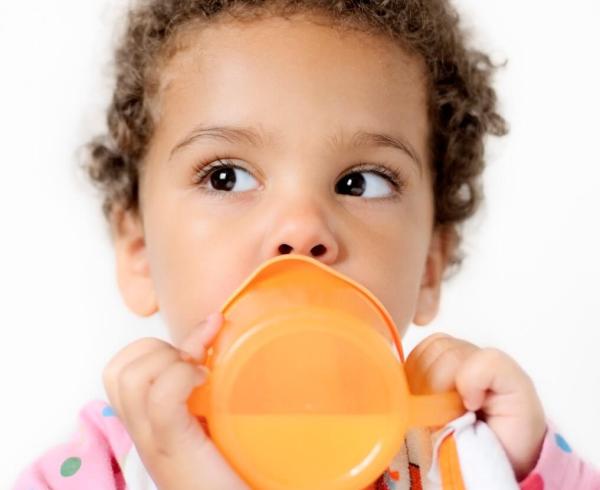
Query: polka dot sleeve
x,y
559,468
91,459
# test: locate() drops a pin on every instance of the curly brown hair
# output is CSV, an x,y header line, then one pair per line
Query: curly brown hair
x,y
461,101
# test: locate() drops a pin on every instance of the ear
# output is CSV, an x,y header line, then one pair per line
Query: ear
x,y
428,301
133,268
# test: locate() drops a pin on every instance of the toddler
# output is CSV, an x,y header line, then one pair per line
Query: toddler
x,y
355,129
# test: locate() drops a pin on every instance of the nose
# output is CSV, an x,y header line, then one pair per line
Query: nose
x,y
315,251
302,231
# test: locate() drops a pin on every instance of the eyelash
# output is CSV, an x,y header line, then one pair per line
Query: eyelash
x,y
394,177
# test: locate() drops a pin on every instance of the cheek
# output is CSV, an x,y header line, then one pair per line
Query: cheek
x,y
195,267
394,264
396,286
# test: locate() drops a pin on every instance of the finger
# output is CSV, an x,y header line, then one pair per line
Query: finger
x,y
437,339
126,355
426,350
486,370
176,431
439,375
194,346
135,382
431,366
172,424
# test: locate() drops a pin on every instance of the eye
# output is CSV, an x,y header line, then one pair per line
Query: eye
x,y
373,181
223,176
379,182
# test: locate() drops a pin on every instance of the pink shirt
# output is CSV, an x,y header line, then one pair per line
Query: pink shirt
x,y
99,453
560,468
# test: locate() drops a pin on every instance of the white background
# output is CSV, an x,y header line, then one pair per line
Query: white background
x,y
529,285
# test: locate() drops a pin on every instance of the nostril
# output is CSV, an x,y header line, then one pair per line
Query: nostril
x,y
318,250
284,248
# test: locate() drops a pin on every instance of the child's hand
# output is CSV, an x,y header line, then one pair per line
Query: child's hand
x,y
148,384
490,382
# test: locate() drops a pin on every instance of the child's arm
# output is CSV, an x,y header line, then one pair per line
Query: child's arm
x,y
91,458
148,384
493,384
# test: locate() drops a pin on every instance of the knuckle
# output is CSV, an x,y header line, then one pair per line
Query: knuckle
x,y
447,355
163,450
129,353
165,388
440,335
440,380
494,354
440,343
437,339
438,375
149,344
452,356
158,397
445,368
446,364
430,346
129,379
110,376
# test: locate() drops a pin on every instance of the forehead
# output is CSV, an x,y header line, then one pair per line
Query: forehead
x,y
294,70
304,44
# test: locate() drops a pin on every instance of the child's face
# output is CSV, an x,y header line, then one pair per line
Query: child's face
x,y
307,89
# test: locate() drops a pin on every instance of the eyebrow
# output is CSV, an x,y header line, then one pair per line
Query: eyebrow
x,y
254,137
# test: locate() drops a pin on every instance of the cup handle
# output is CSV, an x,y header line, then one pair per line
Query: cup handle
x,y
198,400
435,410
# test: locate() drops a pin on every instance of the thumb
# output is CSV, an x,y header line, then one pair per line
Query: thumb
x,y
193,348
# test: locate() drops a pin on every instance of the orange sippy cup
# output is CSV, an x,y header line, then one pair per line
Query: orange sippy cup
x,y
307,389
